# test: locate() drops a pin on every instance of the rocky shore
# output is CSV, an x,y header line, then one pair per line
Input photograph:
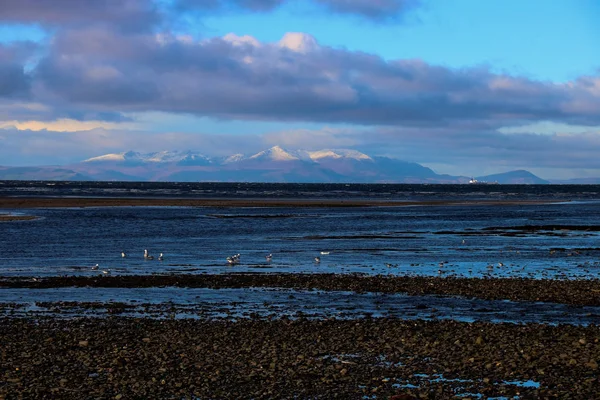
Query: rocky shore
x,y
584,292
123,358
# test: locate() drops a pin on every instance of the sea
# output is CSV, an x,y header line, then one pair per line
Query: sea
x,y
553,236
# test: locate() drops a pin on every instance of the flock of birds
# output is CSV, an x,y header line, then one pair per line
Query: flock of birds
x,y
231,260
234,259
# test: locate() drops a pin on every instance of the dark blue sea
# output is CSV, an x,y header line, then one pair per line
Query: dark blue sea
x,y
557,237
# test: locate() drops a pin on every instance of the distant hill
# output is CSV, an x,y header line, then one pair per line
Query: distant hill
x,y
49,173
514,177
275,164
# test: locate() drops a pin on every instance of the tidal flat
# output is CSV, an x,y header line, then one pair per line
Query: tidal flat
x,y
369,291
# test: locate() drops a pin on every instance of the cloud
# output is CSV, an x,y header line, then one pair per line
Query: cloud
x,y
14,81
375,10
217,5
294,79
63,125
127,15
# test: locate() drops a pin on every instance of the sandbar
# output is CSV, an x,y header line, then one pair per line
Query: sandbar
x,y
8,217
581,292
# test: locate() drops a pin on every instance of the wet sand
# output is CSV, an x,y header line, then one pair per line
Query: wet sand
x,y
582,292
121,358
22,202
7,218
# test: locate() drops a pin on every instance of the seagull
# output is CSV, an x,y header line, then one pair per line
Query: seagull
x,y
317,259
95,267
269,257
106,271
160,257
324,253
123,254
233,259
148,256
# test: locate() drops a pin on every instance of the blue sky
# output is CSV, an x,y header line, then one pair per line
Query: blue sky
x,y
460,86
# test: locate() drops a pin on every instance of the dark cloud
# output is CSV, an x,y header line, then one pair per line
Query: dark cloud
x,y
14,81
214,5
376,10
295,79
127,15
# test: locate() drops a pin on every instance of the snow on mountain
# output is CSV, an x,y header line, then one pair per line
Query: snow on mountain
x,y
337,154
275,153
272,165
233,158
155,157
107,157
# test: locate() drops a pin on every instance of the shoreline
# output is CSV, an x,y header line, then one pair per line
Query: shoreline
x,y
9,217
71,202
570,292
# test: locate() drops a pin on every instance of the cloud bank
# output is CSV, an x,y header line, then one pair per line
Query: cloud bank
x,y
106,60
294,79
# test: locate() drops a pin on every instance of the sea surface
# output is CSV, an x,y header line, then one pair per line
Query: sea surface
x,y
556,238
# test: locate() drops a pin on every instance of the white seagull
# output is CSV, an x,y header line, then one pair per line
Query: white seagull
x,y
148,256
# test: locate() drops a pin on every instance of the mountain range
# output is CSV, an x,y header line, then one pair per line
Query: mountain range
x,y
272,165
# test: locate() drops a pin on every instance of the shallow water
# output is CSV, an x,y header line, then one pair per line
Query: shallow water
x,y
461,240
277,303
377,240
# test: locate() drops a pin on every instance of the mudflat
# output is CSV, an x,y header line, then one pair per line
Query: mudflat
x,y
8,217
583,292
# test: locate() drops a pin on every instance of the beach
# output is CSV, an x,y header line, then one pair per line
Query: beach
x,y
438,298
277,359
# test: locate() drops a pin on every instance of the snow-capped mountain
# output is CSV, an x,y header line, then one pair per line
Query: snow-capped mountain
x,y
156,157
275,153
275,164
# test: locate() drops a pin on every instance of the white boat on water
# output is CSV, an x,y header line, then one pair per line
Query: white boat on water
x,y
474,181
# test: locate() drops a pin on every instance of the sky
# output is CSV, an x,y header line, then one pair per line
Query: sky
x,y
465,87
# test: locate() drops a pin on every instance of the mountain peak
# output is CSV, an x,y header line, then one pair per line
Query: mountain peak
x,y
275,153
164,156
